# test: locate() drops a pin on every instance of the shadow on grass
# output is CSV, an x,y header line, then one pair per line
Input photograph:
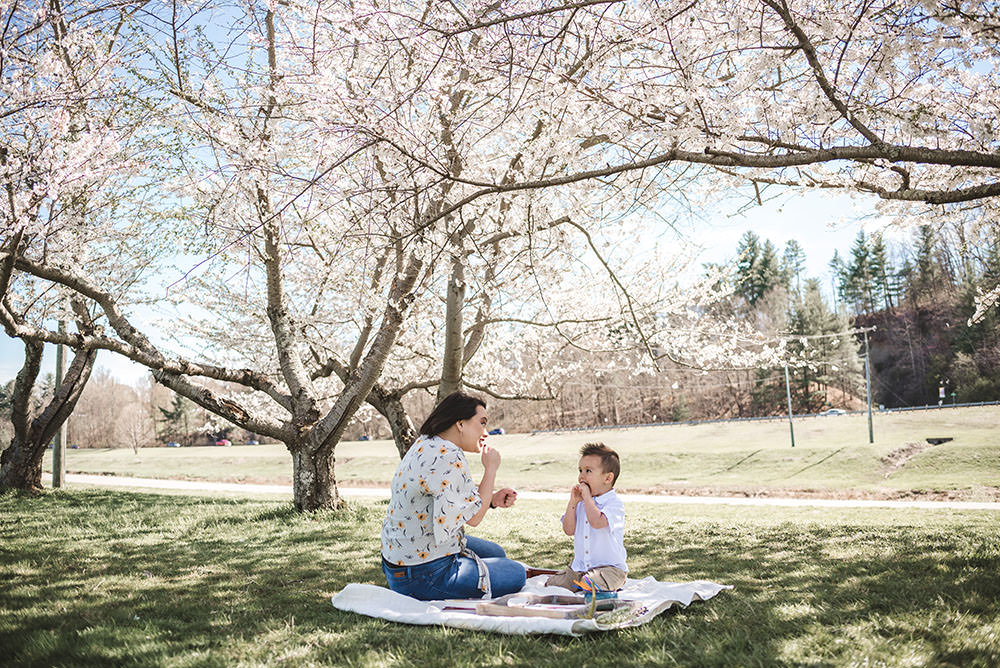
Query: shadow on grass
x,y
113,578
832,595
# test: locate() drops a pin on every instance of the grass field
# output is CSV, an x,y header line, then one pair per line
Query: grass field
x,y
97,577
832,456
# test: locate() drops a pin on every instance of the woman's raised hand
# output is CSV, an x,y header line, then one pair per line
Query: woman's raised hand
x,y
490,458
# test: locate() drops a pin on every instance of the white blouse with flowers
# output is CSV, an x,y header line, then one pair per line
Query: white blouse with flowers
x,y
433,497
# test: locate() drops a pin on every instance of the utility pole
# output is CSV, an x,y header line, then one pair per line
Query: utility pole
x,y
59,442
868,388
788,395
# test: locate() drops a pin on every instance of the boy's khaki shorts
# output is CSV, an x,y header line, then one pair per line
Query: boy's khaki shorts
x,y
607,578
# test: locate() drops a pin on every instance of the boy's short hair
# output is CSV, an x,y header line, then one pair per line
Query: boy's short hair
x,y
609,458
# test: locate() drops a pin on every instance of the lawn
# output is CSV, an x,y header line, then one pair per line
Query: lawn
x,y
832,456
97,577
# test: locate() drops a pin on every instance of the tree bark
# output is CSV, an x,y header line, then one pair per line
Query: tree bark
x,y
313,483
390,405
21,463
454,345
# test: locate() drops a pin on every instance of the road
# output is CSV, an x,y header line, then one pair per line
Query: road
x,y
383,492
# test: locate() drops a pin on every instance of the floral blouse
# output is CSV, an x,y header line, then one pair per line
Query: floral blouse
x,y
432,498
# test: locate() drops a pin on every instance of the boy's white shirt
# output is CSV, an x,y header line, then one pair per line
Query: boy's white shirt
x,y
600,547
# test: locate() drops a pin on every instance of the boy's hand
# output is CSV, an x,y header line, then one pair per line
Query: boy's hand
x,y
584,491
574,494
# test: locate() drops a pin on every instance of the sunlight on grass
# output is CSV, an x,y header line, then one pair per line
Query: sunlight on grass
x,y
116,578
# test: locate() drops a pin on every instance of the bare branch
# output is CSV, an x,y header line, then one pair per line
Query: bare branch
x,y
524,15
134,344
509,397
935,196
226,407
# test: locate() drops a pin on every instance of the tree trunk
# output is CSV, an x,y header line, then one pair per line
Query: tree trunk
x,y
454,345
390,405
313,482
21,463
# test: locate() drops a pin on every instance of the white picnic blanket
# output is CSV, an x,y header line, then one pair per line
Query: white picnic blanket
x,y
654,598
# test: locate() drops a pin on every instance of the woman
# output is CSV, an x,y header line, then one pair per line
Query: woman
x,y
425,552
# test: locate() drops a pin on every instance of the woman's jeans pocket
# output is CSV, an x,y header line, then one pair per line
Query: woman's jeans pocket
x,y
423,581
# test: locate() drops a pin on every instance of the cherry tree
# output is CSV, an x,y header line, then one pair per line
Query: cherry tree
x,y
62,155
896,101
329,169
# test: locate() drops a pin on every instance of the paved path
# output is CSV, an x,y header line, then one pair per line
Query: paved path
x,y
383,492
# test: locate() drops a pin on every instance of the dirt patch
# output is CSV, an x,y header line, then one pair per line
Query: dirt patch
x,y
898,458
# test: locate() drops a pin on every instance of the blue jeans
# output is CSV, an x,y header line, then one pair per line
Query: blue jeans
x,y
456,576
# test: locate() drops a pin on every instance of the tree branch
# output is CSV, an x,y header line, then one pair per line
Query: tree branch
x,y
225,407
509,397
907,194
829,89
523,15
134,345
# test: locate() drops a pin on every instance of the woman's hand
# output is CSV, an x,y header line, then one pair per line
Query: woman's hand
x,y
490,458
504,498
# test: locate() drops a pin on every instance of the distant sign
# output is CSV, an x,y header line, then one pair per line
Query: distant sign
x,y
941,392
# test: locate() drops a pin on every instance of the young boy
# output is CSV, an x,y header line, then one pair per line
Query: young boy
x,y
595,517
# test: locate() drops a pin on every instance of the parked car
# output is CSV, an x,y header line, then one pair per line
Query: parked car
x,y
173,444
497,432
364,437
833,411
253,441
223,441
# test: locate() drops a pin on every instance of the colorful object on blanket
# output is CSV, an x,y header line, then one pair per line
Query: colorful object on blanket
x,y
595,597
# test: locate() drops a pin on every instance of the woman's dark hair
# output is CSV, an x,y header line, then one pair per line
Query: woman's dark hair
x,y
456,406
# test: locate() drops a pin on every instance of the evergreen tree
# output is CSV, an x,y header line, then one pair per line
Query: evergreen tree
x,y
881,269
767,395
793,261
926,272
837,271
757,269
861,288
176,420
825,361
991,262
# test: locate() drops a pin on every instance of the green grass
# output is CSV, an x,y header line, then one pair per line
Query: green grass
x,y
832,455
100,577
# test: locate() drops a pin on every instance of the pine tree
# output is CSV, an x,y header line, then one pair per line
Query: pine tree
x,y
175,420
926,271
862,288
881,269
757,269
793,261
837,271
825,361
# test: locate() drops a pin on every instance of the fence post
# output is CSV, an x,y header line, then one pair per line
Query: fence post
x,y
788,395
